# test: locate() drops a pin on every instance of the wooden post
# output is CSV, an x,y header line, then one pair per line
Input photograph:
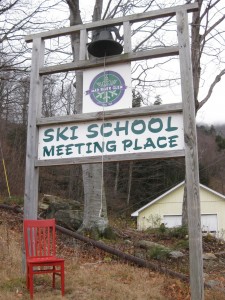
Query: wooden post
x,y
34,112
83,44
127,37
191,159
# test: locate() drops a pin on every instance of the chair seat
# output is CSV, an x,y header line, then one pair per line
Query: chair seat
x,y
43,260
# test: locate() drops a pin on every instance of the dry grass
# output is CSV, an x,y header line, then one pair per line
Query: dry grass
x,y
87,276
84,280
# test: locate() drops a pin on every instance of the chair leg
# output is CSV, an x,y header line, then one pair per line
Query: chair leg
x,y
31,283
62,279
27,277
53,277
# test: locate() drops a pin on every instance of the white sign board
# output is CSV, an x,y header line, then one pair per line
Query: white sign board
x,y
107,88
121,136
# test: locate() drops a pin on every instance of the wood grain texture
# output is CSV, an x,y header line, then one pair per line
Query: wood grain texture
x,y
113,114
191,159
127,37
161,13
110,158
110,60
34,111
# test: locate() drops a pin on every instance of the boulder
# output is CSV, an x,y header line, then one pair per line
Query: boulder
x,y
71,219
68,213
158,251
176,254
209,256
147,245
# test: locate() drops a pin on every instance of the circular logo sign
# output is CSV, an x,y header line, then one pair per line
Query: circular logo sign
x,y
107,88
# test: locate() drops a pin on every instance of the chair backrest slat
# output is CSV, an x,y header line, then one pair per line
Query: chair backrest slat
x,y
49,240
39,236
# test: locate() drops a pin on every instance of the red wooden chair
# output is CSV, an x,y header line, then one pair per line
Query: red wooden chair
x,y
39,237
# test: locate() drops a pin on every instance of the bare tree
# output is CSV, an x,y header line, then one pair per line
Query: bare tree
x,y
95,212
208,46
17,18
207,42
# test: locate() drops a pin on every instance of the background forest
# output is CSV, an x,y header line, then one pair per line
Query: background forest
x,y
128,185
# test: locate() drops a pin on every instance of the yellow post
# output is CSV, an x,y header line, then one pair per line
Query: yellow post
x,y
6,178
5,172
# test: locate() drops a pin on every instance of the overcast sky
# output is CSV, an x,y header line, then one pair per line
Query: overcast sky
x,y
213,112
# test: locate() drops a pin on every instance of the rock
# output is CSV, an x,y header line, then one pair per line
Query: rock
x,y
213,283
140,254
176,254
208,256
128,242
71,219
50,199
43,206
68,213
205,275
53,208
147,245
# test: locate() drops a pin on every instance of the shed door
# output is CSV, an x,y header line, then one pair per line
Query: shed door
x,y
172,221
209,222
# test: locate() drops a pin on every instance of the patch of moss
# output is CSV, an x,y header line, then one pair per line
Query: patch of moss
x,y
182,244
159,253
13,284
95,234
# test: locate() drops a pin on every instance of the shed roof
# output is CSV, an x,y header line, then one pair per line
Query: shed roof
x,y
136,213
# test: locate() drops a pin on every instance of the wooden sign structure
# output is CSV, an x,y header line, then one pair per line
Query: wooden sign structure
x,y
54,128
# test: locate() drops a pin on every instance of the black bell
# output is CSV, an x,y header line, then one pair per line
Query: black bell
x,y
103,44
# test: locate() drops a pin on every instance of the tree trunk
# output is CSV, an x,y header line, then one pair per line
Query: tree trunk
x,y
95,213
116,179
184,207
129,181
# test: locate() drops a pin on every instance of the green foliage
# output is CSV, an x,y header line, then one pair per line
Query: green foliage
x,y
209,238
158,100
158,252
17,137
220,141
169,233
154,221
95,234
162,228
13,200
13,284
150,178
16,200
182,244
203,175
178,232
109,234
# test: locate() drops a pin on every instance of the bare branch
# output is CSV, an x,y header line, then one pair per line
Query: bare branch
x,y
212,27
216,80
6,8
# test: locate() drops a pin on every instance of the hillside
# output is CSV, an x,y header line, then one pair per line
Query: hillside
x,y
211,159
94,274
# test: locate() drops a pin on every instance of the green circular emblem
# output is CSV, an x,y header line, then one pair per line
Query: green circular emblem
x,y
107,88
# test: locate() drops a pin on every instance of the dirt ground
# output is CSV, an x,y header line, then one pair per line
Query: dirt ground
x,y
94,274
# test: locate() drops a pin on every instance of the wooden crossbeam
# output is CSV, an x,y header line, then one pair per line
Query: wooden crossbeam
x,y
155,14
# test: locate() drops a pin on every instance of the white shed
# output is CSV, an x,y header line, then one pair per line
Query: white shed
x,y
167,209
